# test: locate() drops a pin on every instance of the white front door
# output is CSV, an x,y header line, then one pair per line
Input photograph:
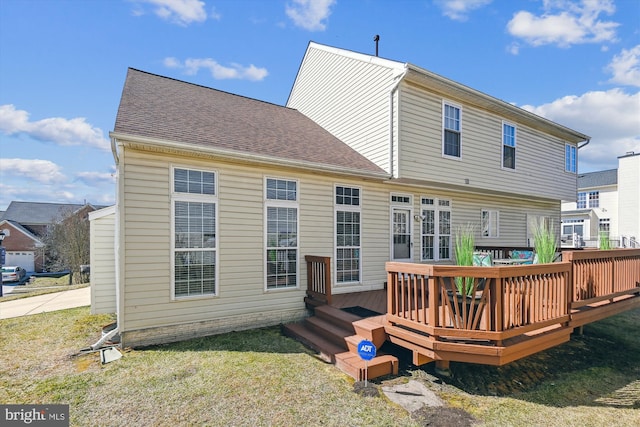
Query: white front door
x,y
401,234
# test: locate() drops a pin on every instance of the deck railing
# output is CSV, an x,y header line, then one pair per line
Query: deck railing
x,y
603,275
319,278
505,301
508,301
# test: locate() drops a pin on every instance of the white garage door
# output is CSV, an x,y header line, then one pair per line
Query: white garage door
x,y
24,259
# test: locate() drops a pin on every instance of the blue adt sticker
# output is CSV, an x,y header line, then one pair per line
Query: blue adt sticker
x,y
366,350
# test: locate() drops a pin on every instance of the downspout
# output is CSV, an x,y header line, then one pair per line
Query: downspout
x,y
391,111
585,144
116,247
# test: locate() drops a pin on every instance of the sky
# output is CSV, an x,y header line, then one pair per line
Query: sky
x,y
63,65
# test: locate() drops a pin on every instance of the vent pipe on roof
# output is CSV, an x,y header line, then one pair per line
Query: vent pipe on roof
x,y
376,39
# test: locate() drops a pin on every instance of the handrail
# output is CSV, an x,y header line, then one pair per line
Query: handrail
x,y
319,278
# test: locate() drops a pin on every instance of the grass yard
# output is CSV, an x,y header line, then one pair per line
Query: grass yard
x,y
261,378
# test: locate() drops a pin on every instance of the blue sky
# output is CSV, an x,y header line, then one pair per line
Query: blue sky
x,y
63,64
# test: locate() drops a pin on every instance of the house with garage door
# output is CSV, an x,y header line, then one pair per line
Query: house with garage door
x,y
220,198
26,223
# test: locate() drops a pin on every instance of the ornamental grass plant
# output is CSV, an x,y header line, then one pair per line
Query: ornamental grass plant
x,y
465,245
603,241
544,242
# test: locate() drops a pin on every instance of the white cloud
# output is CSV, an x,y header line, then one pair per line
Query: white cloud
x,y
610,118
42,171
565,23
181,12
57,130
625,67
459,10
191,66
92,178
310,14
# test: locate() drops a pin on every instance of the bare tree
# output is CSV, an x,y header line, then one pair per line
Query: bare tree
x,y
67,242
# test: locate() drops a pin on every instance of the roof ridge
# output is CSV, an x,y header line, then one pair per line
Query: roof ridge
x,y
208,87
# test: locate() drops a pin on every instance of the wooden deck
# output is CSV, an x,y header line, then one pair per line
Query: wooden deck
x,y
371,300
515,311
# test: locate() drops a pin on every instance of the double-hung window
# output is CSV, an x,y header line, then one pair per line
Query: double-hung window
x,y
348,229
435,229
570,158
281,211
194,204
508,146
490,223
589,200
451,138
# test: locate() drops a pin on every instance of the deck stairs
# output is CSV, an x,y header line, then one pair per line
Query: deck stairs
x,y
335,335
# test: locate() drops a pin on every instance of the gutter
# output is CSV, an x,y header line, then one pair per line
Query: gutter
x,y
585,143
114,149
236,155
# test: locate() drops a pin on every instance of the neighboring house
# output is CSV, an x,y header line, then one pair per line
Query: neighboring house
x,y
607,202
25,224
220,197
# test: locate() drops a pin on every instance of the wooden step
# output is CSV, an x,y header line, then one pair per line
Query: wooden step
x,y
336,316
326,348
329,330
372,329
352,365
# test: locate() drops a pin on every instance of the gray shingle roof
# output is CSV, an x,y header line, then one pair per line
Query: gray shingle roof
x,y
159,107
37,213
598,179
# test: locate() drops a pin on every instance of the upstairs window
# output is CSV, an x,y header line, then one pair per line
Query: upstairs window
x,y
508,146
590,199
451,145
570,158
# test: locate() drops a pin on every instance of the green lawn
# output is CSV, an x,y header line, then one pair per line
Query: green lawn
x,y
261,378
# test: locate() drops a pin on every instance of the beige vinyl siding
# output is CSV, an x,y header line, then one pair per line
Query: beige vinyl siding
x,y
103,265
146,210
350,98
539,168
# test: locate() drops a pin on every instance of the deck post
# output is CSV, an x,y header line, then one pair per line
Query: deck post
x,y
442,368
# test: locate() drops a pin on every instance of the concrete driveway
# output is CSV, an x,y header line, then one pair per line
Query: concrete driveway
x,y
45,303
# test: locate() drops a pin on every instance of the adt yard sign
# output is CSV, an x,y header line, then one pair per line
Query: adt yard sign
x,y
366,350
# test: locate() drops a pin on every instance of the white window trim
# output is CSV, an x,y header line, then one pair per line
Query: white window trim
x,y
349,208
190,197
282,204
515,146
437,208
401,205
459,107
496,232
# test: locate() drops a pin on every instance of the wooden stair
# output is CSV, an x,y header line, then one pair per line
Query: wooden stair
x,y
335,335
